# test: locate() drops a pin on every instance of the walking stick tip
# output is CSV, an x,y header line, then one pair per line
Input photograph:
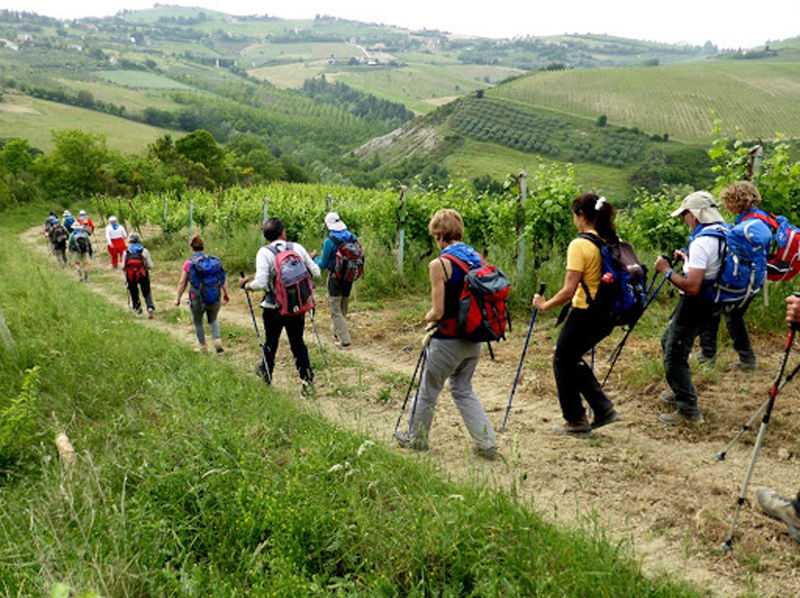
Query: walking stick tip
x,y
727,546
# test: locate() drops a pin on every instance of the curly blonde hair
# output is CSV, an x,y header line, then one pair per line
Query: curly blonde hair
x,y
740,197
447,225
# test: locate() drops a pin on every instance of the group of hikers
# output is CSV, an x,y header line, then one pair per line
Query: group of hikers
x,y
285,273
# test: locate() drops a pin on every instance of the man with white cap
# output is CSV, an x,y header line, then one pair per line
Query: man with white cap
x,y
701,262
115,240
80,251
334,250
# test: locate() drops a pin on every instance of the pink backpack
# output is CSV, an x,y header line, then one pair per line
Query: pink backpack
x,y
294,290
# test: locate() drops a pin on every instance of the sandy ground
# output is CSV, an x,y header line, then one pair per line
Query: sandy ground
x,y
657,489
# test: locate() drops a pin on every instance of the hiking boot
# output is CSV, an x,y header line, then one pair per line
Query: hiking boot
x,y
744,366
677,417
777,507
668,396
576,428
704,359
405,441
201,349
138,312
489,453
609,417
346,347
218,347
150,311
307,388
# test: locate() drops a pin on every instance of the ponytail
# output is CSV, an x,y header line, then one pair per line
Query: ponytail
x,y
599,212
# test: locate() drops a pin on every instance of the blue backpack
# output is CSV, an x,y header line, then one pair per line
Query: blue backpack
x,y
622,293
743,252
206,276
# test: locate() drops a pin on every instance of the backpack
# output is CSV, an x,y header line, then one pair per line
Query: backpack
x,y
60,234
135,268
622,293
349,265
743,253
80,243
206,276
294,289
482,313
783,259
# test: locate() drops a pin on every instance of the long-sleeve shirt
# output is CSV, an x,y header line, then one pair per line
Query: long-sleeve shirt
x,y
115,233
266,273
148,261
328,258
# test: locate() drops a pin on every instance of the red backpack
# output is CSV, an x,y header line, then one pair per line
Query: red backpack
x,y
482,314
783,262
134,264
294,290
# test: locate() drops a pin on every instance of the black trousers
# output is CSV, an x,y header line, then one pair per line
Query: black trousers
x,y
274,323
574,378
144,285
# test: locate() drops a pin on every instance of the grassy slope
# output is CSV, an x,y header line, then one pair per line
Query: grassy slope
x,y
760,98
192,478
34,119
474,159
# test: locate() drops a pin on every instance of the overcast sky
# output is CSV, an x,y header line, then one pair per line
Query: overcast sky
x,y
727,23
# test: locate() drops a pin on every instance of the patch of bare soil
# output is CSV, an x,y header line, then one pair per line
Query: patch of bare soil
x,y
660,489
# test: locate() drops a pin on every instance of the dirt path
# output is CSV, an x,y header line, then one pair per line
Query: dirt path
x,y
658,487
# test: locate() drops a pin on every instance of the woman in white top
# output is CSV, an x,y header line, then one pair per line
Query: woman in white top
x,y
115,240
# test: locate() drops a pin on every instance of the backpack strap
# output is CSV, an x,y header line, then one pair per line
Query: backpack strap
x,y
599,243
449,326
767,217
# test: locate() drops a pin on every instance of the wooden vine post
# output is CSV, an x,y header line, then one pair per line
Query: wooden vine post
x,y
401,230
522,183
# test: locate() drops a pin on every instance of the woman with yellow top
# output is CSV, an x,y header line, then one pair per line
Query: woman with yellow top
x,y
582,329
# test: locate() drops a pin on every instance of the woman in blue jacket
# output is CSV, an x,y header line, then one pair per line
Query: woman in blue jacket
x,y
338,288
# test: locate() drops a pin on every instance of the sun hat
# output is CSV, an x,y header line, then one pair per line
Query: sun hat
x,y
701,204
333,222
134,238
66,213
112,218
82,213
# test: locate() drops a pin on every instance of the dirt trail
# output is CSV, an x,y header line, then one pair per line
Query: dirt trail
x,y
658,487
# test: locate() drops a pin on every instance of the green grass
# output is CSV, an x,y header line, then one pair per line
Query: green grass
x,y
475,158
682,100
289,76
141,80
134,100
193,479
34,119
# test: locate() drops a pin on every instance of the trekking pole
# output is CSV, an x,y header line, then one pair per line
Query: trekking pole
x,y
258,336
618,350
420,360
430,330
319,340
756,414
727,546
521,361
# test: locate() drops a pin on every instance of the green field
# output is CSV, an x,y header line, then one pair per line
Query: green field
x,y
141,80
289,76
34,119
760,98
134,100
411,85
475,159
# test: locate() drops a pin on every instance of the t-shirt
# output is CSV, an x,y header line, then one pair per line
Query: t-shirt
x,y
584,256
704,255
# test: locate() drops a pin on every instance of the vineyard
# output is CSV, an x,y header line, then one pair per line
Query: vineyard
x,y
680,100
521,128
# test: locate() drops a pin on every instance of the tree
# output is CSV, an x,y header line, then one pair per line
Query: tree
x,y
75,166
602,120
200,148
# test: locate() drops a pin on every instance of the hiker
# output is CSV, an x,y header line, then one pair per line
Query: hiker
x,y
343,268
742,199
449,357
582,329
206,278
772,503
282,309
86,222
115,240
136,264
58,238
80,249
67,221
702,261
48,227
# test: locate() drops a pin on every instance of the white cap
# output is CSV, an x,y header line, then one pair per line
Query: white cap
x,y
112,218
82,213
333,222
